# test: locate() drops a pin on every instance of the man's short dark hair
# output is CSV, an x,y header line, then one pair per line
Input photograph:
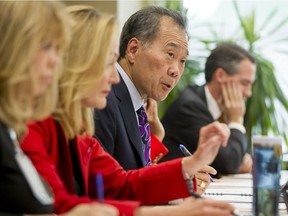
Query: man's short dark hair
x,y
227,56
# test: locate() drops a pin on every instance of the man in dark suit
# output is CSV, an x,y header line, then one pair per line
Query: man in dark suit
x,y
153,51
229,73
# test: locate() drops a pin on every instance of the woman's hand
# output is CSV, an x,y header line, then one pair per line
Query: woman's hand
x,y
92,209
203,178
189,207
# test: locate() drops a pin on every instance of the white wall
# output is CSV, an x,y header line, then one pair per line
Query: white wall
x,y
221,15
125,8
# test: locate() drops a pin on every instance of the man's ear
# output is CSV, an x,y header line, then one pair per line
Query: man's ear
x,y
132,48
220,75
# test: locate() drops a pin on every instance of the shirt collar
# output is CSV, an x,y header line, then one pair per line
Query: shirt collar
x,y
134,94
212,105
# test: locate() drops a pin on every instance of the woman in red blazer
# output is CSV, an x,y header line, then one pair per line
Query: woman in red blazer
x,y
32,39
68,157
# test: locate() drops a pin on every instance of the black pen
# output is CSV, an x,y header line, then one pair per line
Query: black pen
x,y
192,193
188,181
190,187
186,152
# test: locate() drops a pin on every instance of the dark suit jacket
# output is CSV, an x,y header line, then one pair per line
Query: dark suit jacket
x,y
15,194
117,129
183,121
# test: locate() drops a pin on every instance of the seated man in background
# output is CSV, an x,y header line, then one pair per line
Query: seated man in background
x,y
229,73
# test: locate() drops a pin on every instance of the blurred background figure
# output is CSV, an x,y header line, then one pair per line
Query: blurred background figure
x,y
229,73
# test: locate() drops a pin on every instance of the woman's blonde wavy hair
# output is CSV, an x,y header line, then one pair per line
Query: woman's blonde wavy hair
x,y
25,28
84,65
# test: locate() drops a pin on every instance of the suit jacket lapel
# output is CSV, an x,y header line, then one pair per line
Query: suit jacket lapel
x,y
129,117
200,90
201,93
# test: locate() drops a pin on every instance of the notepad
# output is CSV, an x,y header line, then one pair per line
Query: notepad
x,y
238,190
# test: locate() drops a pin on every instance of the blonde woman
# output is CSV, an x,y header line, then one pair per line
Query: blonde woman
x,y
64,140
32,39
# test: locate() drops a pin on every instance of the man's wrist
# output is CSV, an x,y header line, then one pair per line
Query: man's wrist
x,y
238,120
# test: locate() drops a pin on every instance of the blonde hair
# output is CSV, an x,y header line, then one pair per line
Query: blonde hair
x,y
25,28
84,65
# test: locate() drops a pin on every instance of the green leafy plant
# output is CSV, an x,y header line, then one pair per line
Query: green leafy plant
x,y
268,99
261,115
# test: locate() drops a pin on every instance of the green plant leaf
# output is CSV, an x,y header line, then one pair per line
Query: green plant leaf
x,y
261,109
278,26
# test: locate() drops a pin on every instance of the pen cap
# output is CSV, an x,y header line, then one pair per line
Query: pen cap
x,y
99,187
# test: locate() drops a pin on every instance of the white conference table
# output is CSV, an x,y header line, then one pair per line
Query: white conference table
x,y
238,190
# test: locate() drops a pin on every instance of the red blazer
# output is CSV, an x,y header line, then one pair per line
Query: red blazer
x,y
48,149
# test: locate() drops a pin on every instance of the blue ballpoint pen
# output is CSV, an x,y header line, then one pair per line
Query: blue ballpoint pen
x,y
186,152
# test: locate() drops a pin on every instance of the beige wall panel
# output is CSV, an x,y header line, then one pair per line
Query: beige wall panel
x,y
104,6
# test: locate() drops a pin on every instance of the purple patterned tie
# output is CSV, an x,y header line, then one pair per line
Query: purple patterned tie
x,y
145,134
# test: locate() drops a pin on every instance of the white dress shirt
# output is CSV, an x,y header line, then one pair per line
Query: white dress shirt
x,y
134,94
